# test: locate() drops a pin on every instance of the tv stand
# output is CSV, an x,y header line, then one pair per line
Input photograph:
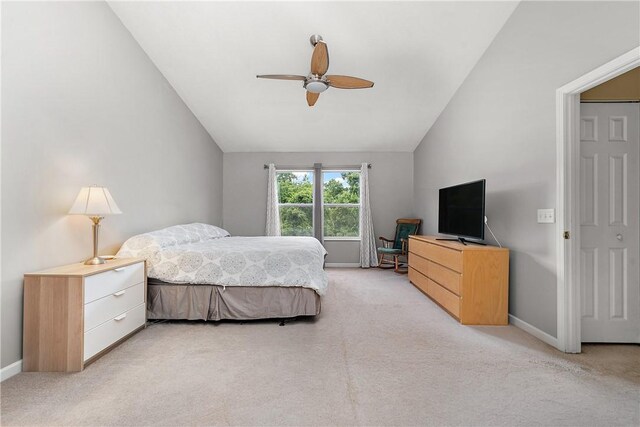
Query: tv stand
x,y
463,241
470,282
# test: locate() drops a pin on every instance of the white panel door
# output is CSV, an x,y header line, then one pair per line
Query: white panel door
x,y
609,222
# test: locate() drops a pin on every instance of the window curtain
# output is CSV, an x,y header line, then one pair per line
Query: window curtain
x,y
318,203
368,254
273,211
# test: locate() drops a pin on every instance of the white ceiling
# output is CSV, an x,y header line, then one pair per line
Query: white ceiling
x,y
417,53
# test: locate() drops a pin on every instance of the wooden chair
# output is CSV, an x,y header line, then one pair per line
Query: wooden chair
x,y
398,246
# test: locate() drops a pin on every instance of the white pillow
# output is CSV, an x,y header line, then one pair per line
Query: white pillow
x,y
147,244
208,230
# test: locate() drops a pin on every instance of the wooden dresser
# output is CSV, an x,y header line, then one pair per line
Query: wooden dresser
x,y
471,282
74,313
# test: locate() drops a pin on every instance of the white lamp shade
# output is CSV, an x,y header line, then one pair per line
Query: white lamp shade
x,y
94,201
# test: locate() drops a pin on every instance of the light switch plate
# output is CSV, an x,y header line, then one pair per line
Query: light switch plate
x,y
546,216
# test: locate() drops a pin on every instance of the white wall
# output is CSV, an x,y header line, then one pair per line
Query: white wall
x,y
245,192
501,125
82,104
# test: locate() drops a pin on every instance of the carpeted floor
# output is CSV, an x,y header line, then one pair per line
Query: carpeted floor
x,y
381,353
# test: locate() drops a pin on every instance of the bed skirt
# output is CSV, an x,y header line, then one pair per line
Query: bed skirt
x,y
212,302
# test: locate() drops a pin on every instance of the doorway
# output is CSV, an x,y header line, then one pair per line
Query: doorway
x,y
568,196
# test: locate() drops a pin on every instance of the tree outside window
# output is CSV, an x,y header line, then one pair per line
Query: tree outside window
x,y
341,197
295,194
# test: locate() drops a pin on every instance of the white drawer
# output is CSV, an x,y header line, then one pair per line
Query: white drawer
x,y
106,308
111,331
112,281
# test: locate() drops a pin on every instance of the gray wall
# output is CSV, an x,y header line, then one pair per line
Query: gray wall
x,y
245,191
501,125
82,104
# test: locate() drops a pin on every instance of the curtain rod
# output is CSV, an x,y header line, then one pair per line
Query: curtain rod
x,y
346,167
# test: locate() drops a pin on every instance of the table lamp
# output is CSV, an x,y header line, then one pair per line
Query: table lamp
x,y
94,202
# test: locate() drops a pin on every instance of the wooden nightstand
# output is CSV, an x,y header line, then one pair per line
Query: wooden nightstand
x,y
75,313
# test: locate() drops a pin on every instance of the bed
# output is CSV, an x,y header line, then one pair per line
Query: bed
x,y
199,272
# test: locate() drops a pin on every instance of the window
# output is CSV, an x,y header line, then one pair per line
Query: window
x,y
341,198
295,194
341,203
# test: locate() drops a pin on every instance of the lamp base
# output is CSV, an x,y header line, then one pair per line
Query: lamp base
x,y
94,261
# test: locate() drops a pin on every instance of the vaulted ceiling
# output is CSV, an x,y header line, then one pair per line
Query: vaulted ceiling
x,y
417,53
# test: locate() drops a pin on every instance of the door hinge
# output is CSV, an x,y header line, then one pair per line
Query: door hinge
x,y
566,235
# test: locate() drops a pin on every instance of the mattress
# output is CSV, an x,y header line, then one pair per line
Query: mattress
x,y
214,302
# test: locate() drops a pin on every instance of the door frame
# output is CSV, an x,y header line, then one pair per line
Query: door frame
x,y
568,194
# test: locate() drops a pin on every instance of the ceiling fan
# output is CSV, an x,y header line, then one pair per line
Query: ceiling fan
x,y
317,82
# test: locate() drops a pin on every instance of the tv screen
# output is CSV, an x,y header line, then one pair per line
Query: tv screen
x,y
461,210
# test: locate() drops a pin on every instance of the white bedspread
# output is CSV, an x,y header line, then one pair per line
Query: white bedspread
x,y
196,253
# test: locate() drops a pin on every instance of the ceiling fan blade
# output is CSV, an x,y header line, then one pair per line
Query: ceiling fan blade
x,y
312,98
281,77
348,82
320,59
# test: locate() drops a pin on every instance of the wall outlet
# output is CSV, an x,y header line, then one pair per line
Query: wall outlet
x,y
546,216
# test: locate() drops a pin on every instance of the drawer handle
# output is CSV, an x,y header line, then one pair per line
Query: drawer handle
x,y
118,269
117,294
122,316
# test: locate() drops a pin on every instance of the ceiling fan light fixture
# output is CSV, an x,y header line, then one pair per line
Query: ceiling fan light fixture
x,y
317,81
316,86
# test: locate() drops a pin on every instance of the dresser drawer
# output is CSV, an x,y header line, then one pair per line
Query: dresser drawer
x,y
418,263
106,308
446,299
101,337
450,258
112,281
442,296
418,279
448,278
445,277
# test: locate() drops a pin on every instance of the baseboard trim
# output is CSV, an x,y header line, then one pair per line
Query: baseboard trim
x,y
342,264
532,330
11,370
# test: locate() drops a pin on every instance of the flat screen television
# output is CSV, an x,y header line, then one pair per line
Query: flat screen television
x,y
461,210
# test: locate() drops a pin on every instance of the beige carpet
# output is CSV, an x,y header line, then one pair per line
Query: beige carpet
x,y
381,353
